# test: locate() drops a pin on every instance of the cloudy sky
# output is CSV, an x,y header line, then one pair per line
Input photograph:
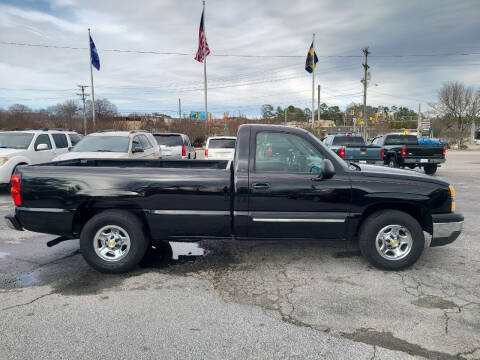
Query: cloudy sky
x,y
266,43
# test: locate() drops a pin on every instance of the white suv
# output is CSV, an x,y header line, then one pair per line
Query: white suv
x,y
220,148
25,147
136,144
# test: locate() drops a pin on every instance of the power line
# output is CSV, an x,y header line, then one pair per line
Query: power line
x,y
155,52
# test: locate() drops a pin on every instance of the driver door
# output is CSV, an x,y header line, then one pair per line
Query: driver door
x,y
287,196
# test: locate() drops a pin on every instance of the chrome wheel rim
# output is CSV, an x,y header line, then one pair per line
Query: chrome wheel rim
x,y
111,243
394,242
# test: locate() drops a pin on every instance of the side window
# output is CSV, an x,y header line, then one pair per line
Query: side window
x,y
144,141
286,153
136,142
43,143
375,141
60,141
74,138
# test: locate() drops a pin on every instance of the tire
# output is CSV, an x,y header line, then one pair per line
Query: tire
x,y
392,162
128,226
395,255
430,169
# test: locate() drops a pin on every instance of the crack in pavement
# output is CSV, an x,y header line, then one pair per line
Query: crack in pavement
x,y
27,303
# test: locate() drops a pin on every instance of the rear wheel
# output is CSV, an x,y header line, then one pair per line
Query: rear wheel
x,y
391,239
392,162
430,169
113,241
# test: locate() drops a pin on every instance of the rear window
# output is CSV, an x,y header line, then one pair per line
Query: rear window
x,y
169,140
348,140
401,140
221,144
60,140
74,138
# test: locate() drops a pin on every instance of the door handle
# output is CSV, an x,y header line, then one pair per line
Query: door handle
x,y
260,186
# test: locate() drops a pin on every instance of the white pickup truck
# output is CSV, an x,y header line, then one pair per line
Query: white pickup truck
x,y
27,147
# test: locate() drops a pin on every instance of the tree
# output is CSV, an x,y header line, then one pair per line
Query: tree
x,y
64,114
267,111
19,108
458,107
103,108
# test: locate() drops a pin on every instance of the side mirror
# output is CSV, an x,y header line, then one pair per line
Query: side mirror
x,y
328,170
41,147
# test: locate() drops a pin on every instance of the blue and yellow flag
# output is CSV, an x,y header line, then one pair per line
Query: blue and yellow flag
x,y
311,60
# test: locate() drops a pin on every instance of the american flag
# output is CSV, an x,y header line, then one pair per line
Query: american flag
x,y
203,49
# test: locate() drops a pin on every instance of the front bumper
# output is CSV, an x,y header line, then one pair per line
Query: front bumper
x,y
13,222
446,228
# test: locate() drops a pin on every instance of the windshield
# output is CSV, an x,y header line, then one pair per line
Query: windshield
x,y
102,144
348,140
12,140
332,153
169,140
401,140
221,143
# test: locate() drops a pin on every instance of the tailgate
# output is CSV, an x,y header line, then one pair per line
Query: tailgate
x,y
425,151
359,153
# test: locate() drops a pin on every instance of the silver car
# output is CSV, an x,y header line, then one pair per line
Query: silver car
x,y
175,146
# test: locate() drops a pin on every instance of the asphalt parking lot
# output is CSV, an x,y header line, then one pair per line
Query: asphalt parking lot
x,y
247,300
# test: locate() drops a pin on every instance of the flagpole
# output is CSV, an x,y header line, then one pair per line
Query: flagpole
x,y
313,81
91,80
205,71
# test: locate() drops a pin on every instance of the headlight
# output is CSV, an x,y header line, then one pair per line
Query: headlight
x,y
3,160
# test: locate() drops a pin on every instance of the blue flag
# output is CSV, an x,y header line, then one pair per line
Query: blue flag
x,y
94,55
311,60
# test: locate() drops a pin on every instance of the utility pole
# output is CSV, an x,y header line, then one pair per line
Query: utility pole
x,y
365,82
318,106
419,120
286,112
179,108
83,95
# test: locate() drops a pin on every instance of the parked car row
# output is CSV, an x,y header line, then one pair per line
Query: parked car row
x,y
393,150
29,147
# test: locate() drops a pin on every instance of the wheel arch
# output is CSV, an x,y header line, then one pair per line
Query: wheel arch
x,y
89,209
418,211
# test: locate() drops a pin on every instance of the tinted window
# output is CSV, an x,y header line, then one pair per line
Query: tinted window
x,y
144,141
169,139
221,144
401,140
74,138
15,140
43,139
282,152
348,140
60,140
102,144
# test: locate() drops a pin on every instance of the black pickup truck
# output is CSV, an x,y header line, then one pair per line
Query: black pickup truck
x,y
283,184
405,151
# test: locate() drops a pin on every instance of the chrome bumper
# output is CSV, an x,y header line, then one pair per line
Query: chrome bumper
x,y
446,228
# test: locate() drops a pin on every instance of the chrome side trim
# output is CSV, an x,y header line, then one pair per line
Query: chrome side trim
x,y
191,212
298,220
50,210
441,230
241,213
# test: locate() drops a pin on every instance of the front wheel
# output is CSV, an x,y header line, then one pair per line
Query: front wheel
x,y
113,241
430,169
391,239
